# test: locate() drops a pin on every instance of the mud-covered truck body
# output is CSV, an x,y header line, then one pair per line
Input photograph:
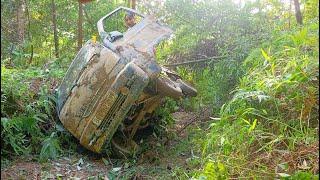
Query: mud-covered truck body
x,y
114,80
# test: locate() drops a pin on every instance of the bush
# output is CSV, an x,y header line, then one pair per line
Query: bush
x,y
27,109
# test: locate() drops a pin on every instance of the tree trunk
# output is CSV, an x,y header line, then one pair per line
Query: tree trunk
x,y
133,4
55,31
29,33
129,3
20,21
80,21
290,7
298,11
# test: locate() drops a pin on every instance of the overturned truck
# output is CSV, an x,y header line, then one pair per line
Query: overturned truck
x,y
117,82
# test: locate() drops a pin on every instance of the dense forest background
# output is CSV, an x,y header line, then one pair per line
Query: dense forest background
x,y
254,63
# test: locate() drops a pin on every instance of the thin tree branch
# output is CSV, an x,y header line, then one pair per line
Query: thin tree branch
x,y
195,61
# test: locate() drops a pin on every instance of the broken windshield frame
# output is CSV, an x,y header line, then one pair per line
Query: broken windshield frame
x,y
100,26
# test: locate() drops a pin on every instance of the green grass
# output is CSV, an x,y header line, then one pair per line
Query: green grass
x,y
274,107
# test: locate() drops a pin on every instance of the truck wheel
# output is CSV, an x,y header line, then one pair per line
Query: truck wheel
x,y
187,89
167,87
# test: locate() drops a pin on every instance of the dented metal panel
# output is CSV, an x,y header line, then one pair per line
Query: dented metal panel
x,y
86,54
145,35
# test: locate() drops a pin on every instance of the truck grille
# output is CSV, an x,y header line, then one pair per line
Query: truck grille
x,y
112,112
115,107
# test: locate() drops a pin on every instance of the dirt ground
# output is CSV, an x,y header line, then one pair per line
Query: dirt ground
x,y
63,168
82,166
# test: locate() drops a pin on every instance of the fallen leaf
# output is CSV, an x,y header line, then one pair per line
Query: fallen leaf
x,y
283,166
283,175
59,175
106,162
126,165
80,162
217,119
116,169
304,165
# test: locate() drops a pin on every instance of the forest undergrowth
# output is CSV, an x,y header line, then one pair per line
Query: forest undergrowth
x,y
255,117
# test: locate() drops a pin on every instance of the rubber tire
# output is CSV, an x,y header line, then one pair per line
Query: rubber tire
x,y
167,87
187,89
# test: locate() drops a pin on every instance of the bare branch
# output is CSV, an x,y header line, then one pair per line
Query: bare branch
x,y
195,61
